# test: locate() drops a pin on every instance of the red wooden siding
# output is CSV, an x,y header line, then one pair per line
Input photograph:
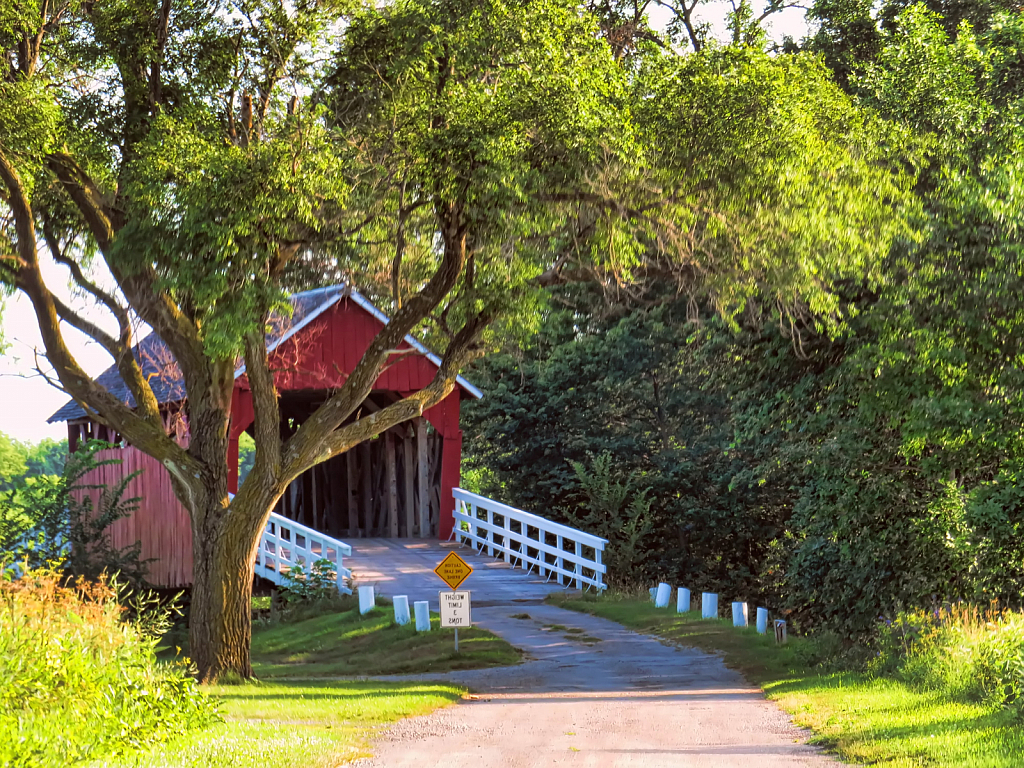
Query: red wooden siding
x,y
161,524
321,355
318,357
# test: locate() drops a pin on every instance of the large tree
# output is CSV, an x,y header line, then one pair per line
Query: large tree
x,y
453,159
212,155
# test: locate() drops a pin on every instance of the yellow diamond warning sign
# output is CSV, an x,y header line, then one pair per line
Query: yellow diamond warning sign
x,y
453,570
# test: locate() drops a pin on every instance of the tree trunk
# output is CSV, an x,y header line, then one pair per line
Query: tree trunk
x,y
220,625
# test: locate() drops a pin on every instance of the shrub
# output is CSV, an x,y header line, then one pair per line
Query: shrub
x,y
616,510
319,582
48,519
78,681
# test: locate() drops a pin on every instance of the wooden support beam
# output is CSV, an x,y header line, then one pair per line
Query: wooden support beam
x,y
391,483
336,497
353,489
423,476
410,482
365,482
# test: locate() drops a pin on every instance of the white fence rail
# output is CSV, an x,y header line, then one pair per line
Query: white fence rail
x,y
516,536
285,544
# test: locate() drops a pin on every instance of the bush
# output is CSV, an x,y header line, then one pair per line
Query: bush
x,y
963,651
318,583
80,682
49,519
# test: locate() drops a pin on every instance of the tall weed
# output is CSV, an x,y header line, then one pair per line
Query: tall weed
x,y
78,681
964,651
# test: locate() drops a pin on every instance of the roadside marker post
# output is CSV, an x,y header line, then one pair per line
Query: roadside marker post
x,y
683,600
762,621
422,611
455,606
662,595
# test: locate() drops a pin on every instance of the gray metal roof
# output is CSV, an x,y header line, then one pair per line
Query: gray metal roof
x,y
159,367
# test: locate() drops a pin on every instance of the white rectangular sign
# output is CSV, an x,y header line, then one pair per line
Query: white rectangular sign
x,y
455,609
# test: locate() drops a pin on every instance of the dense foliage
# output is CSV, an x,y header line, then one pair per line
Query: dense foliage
x,y
81,683
20,460
64,519
840,471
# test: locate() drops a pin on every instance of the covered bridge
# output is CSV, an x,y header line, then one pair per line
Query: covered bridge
x,y
398,484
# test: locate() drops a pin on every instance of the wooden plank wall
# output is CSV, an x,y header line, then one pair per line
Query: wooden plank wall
x,y
363,494
346,497
161,523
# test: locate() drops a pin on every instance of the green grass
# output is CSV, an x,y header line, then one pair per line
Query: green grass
x,y
346,643
312,724
864,720
298,717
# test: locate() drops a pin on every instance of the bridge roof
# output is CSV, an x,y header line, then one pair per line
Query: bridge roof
x,y
160,368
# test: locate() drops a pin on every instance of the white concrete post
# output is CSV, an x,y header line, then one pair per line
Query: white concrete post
x,y
401,609
762,621
422,609
739,614
662,596
683,600
709,605
366,601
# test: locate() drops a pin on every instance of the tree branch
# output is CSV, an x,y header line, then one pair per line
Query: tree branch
x,y
147,433
86,197
461,351
108,300
308,440
266,408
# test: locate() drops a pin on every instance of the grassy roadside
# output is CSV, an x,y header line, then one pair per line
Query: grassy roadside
x,y
346,643
864,720
298,717
299,724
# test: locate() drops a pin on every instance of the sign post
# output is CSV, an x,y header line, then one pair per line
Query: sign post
x,y
455,612
455,606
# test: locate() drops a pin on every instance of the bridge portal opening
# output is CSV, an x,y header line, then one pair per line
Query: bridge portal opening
x,y
389,486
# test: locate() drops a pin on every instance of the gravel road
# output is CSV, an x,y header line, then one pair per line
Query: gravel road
x,y
596,694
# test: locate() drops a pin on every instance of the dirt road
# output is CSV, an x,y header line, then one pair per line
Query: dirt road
x,y
597,694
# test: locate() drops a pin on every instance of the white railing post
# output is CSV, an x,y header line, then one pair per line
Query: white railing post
x,y
483,532
579,565
560,563
490,532
541,570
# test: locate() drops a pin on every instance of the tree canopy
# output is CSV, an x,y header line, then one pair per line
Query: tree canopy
x,y
461,163
840,470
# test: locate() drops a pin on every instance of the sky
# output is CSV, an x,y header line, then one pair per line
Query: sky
x,y
26,400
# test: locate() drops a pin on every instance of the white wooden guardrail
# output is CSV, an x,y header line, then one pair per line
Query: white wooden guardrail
x,y
285,544
555,550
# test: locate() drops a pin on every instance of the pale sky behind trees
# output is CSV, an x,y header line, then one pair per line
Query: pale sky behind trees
x,y
27,400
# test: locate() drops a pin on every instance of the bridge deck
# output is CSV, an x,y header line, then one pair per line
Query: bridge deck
x,y
406,567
